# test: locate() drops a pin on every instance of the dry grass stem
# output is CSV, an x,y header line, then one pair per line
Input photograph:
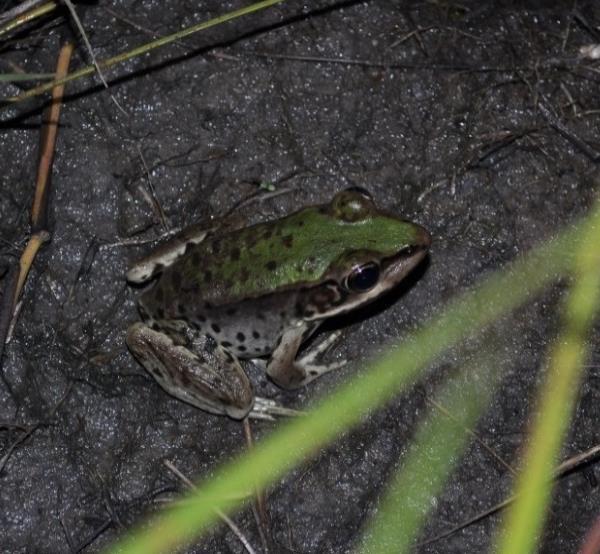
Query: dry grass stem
x,y
226,519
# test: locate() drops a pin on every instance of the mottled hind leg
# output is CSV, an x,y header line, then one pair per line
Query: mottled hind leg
x,y
289,372
211,380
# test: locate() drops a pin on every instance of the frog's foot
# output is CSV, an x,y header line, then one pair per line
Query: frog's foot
x,y
290,373
211,380
265,408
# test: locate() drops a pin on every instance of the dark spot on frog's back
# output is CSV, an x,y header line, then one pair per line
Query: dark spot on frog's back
x,y
207,276
235,254
271,265
195,258
244,275
287,241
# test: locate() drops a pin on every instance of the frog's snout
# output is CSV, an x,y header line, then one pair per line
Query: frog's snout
x,y
422,238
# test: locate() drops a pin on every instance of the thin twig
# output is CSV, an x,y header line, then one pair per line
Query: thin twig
x,y
14,285
90,50
260,504
19,9
24,17
16,443
152,198
566,467
7,310
143,49
48,144
563,130
384,65
138,242
28,431
226,519
490,450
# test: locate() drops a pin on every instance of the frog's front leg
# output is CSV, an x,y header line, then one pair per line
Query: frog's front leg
x,y
211,380
291,373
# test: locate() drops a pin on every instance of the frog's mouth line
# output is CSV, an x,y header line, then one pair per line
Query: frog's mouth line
x,y
405,260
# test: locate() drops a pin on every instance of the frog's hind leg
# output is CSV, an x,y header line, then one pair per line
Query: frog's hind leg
x,y
211,380
167,253
289,372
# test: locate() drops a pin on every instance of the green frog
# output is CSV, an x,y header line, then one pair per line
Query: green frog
x,y
261,291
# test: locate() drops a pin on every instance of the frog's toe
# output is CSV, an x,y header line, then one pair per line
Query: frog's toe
x,y
314,371
320,348
265,408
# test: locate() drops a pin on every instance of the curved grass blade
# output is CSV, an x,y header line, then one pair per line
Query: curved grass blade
x,y
526,517
433,454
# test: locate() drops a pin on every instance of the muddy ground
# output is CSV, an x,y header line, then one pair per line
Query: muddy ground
x,y
479,120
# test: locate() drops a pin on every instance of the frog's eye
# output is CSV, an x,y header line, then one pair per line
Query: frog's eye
x,y
363,278
361,191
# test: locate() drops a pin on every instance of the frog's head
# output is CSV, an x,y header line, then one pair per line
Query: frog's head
x,y
369,252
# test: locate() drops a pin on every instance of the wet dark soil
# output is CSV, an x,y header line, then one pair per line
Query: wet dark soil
x,y
479,120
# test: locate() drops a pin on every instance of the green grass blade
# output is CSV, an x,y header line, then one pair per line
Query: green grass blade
x,y
27,16
144,49
14,77
432,456
297,440
525,519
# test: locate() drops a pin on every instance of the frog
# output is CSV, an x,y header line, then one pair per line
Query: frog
x,y
259,292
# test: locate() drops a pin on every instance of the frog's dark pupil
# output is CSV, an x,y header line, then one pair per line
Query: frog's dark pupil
x,y
364,278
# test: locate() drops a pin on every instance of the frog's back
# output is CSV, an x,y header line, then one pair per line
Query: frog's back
x,y
277,257
245,263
